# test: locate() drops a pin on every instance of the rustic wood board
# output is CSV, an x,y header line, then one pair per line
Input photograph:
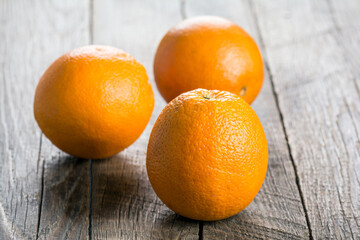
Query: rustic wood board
x,y
316,78
42,191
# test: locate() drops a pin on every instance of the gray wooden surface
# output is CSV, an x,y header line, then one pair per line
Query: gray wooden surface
x,y
309,107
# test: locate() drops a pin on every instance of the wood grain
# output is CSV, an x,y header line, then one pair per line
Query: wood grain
x,y
313,60
37,183
277,211
124,206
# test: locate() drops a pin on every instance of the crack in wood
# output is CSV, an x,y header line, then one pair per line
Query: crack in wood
x,y
201,230
90,198
42,185
41,198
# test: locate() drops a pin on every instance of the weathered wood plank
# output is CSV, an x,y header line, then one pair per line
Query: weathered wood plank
x,y
124,206
345,16
277,211
33,33
65,201
314,63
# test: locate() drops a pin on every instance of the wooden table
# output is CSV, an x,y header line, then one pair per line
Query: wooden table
x,y
309,106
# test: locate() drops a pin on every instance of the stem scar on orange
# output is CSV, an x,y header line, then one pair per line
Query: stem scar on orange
x,y
207,155
93,101
208,52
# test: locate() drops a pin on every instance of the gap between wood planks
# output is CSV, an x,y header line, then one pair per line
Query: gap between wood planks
x,y
90,198
262,44
42,186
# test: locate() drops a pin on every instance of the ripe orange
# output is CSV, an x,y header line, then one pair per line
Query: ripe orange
x,y
208,52
93,101
207,155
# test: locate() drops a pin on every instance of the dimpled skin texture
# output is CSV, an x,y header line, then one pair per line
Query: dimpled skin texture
x,y
207,158
208,52
93,101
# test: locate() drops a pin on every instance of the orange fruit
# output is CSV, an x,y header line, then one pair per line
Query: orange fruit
x,y
208,52
94,101
207,155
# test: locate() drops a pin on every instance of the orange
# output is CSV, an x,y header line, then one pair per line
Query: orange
x,y
93,101
207,155
208,52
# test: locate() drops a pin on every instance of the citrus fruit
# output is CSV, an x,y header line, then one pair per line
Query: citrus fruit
x,y
207,155
208,52
93,101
